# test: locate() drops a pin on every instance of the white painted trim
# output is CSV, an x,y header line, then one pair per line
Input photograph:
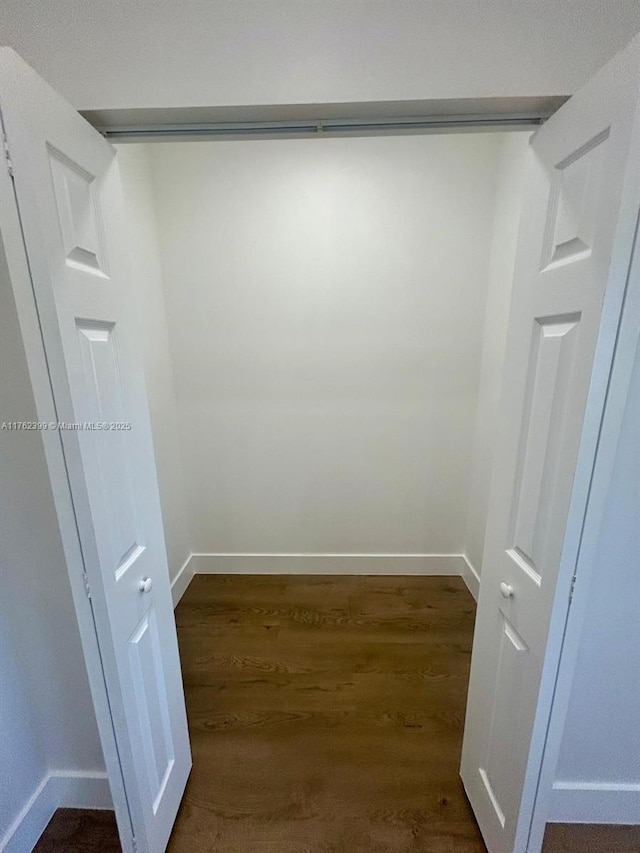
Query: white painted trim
x,y
329,564
594,802
471,577
79,790
182,580
57,790
29,825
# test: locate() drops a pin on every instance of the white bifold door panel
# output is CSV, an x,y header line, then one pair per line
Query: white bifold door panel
x,y
574,250
70,207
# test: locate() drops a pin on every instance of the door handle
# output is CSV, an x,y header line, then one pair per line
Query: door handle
x,y
145,585
506,590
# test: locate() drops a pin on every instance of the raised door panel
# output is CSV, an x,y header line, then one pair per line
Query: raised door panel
x,y
103,408
548,380
145,655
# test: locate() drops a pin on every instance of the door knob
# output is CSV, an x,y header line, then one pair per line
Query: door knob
x,y
506,590
145,585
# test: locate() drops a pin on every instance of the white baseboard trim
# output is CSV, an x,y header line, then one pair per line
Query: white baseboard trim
x,y
58,790
471,577
30,823
77,790
594,802
182,580
329,564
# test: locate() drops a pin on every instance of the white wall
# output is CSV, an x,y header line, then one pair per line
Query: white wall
x,y
146,53
511,173
47,720
599,766
154,342
325,302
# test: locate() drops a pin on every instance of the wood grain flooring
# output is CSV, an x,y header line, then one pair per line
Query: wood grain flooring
x,y
589,838
86,831
326,716
80,831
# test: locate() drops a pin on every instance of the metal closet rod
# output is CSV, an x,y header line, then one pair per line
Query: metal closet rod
x,y
266,128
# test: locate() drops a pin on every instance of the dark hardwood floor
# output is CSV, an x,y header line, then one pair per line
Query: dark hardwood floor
x,y
326,716
83,831
590,838
80,831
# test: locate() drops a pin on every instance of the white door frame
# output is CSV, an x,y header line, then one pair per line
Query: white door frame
x,y
566,622
26,307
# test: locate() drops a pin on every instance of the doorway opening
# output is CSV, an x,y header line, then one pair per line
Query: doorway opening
x,y
345,357
323,324
324,330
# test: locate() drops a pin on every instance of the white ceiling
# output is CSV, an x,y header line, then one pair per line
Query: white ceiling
x,y
160,53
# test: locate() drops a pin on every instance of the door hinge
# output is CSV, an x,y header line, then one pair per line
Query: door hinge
x,y
7,153
87,588
573,586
